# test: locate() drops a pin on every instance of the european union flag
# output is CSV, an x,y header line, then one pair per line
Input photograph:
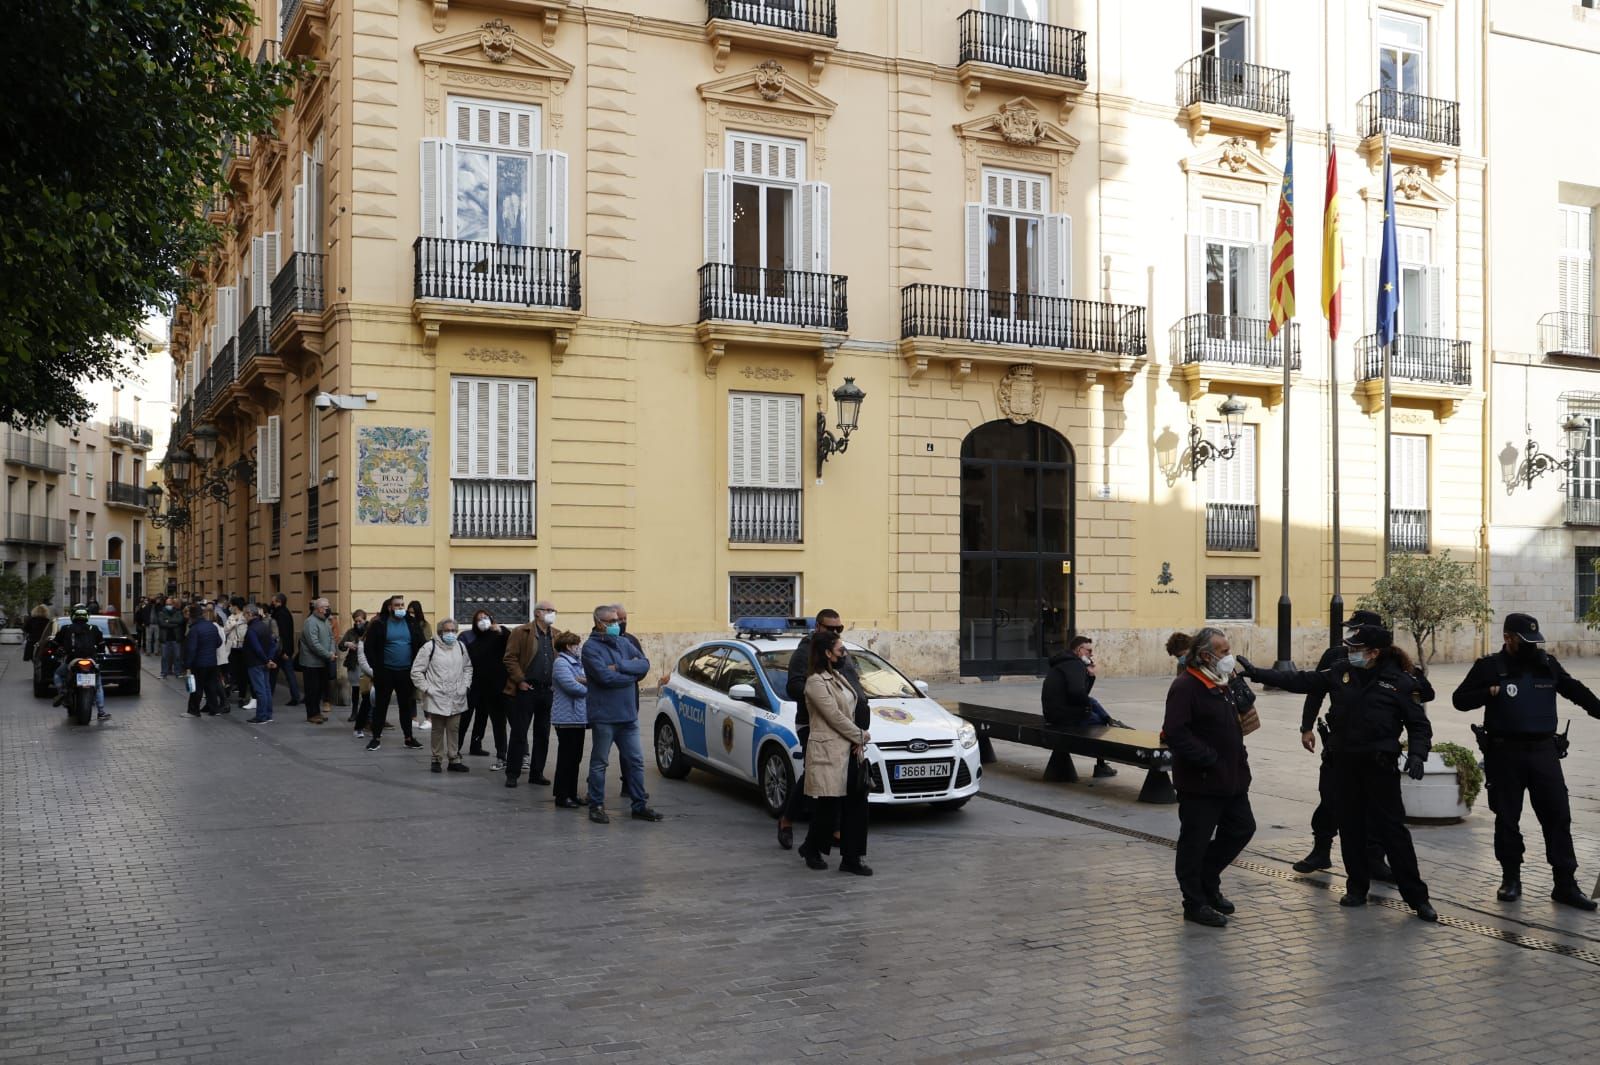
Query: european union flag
x,y
1388,263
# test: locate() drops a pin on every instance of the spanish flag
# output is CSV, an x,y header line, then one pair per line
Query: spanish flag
x,y
1281,282
1332,248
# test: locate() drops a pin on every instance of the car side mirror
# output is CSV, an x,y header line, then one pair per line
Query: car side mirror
x,y
744,693
921,686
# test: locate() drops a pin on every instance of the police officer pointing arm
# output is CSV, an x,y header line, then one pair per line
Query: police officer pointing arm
x,y
1517,687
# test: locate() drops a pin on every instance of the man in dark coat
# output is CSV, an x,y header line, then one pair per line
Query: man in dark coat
x,y
1065,695
288,650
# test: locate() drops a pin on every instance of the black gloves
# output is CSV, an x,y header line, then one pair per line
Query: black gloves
x,y
1246,666
1414,764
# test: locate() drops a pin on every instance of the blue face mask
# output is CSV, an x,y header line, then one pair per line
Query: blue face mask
x,y
1358,660
613,629
448,637
400,612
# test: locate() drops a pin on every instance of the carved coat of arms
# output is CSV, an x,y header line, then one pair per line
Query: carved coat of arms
x,y
1018,394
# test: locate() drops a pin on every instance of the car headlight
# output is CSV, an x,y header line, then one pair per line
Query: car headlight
x,y
967,735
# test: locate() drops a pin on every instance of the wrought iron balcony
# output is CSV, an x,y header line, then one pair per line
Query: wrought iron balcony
x,y
773,297
995,317
36,531
1022,44
202,394
475,271
1408,114
1565,333
182,423
489,509
1210,79
224,369
255,338
764,515
1438,360
1581,509
1233,527
1236,341
298,287
27,450
122,429
798,16
120,493
1408,531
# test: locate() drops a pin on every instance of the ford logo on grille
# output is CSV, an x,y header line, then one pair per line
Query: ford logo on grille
x,y
917,746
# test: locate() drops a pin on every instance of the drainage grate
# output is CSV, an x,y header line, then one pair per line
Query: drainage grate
x,y
1489,931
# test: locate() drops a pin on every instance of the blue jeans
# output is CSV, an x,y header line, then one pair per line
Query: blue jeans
x,y
625,734
99,684
1097,713
261,685
171,658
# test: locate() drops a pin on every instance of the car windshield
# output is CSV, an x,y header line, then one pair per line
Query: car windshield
x,y
879,679
107,626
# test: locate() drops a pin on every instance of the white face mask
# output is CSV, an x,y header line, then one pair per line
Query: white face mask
x,y
550,618
483,624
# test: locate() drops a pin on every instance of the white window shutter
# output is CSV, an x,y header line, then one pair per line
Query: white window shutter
x,y
738,445
227,317
1261,280
550,199
301,239
718,203
438,174
483,430
308,180
1197,274
977,247
789,465
271,250
814,210
259,281
273,460
1057,255
461,427
522,429
1436,301
1246,459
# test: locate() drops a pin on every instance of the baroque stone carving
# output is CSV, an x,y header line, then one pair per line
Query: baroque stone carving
x,y
1235,154
1018,394
767,373
769,118
771,79
495,355
1018,122
496,40
1408,182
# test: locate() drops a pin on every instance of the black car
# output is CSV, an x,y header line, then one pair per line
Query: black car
x,y
119,660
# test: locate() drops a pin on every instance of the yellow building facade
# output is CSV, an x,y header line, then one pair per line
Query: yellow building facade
x,y
536,299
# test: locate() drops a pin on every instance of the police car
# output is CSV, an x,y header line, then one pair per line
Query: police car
x,y
723,708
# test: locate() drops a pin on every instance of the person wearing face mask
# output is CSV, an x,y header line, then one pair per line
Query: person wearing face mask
x,y
1517,687
1065,697
569,715
1211,770
486,643
529,660
612,669
360,680
316,659
442,676
1374,696
836,739
390,646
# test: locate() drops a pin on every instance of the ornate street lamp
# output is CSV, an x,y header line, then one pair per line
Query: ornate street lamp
x,y
1536,463
1203,451
205,443
848,397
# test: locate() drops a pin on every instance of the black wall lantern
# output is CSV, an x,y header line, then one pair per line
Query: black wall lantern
x,y
849,398
1203,451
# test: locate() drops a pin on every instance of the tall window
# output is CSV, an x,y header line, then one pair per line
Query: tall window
x,y
764,468
492,468
1583,480
1575,277
1586,583
763,218
1228,269
1016,248
88,534
72,474
72,534
1408,492
88,469
1225,32
1232,512
494,152
1421,283
1402,53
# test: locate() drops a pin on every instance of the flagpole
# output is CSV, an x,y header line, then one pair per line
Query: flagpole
x,y
1336,603
1388,404
1285,611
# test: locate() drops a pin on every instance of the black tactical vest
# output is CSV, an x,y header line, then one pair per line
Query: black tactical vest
x,y
1526,703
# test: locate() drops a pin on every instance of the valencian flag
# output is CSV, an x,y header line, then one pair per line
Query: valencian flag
x,y
1281,284
1388,262
1332,248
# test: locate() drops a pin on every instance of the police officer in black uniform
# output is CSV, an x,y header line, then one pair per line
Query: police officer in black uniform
x,y
1374,698
1518,685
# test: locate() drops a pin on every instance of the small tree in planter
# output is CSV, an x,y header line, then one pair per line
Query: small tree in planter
x,y
42,589
13,599
1424,801
1426,595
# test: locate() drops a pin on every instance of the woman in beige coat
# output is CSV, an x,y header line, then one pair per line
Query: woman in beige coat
x,y
835,740
442,675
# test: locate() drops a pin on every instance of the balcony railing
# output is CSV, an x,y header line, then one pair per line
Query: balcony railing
x,y
1583,504
122,429
1012,318
313,512
298,287
764,515
1023,45
485,509
1239,341
1408,531
125,494
182,423
224,369
1565,333
800,16
773,297
1407,114
479,272
1233,527
202,394
31,529
28,450
255,337
1415,358
1210,79
286,17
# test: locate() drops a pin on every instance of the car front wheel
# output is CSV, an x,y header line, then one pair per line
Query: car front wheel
x,y
777,779
670,759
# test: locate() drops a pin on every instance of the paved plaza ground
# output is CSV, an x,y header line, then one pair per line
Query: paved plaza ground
x,y
202,890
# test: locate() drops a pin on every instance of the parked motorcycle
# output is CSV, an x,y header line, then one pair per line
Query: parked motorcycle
x,y
83,674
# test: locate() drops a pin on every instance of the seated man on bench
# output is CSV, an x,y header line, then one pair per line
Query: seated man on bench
x,y
1066,698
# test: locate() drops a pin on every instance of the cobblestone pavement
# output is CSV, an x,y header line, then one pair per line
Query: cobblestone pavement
x,y
202,890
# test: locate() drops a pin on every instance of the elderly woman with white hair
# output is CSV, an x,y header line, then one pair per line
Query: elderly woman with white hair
x,y
442,676
316,659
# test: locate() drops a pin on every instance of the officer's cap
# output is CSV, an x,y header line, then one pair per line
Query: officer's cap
x,y
1525,626
1364,617
1369,638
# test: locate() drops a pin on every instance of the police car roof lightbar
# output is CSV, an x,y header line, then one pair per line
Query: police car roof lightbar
x,y
769,627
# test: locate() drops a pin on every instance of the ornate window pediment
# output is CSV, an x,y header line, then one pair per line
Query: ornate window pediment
x,y
1016,136
1234,160
765,97
491,61
1412,189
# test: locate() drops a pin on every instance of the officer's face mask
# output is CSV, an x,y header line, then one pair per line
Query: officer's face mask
x,y
1359,660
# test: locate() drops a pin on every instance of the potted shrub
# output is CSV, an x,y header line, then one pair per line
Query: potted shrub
x,y
1451,781
13,604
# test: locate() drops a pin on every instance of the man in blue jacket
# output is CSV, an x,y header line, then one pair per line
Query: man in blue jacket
x,y
614,667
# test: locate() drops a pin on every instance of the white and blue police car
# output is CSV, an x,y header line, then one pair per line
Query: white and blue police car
x,y
723,708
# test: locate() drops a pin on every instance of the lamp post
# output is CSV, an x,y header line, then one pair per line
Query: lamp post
x,y
195,477
1536,463
1203,451
848,397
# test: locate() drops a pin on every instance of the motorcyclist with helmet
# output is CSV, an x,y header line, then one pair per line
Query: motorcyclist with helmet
x,y
79,639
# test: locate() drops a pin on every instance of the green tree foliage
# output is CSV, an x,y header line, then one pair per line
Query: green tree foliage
x,y
41,589
1426,595
13,593
116,113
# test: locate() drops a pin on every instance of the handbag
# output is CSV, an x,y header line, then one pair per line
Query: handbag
x,y
1249,721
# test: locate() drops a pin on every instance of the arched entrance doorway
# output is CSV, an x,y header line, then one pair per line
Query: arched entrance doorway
x,y
1017,490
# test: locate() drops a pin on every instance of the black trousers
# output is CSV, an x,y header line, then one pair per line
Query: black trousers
x,y
1325,818
360,705
848,814
1368,786
569,760
527,708
208,686
485,706
1511,767
396,682
241,676
1212,830
315,689
796,803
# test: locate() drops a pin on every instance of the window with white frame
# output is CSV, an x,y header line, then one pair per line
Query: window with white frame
x,y
1232,510
1583,479
753,595
1402,53
1228,268
506,595
1574,280
1422,284
764,468
492,458
88,469
1225,31
72,534
1408,492
1032,10
1230,598
88,534
1017,248
310,198
72,475
489,181
763,218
